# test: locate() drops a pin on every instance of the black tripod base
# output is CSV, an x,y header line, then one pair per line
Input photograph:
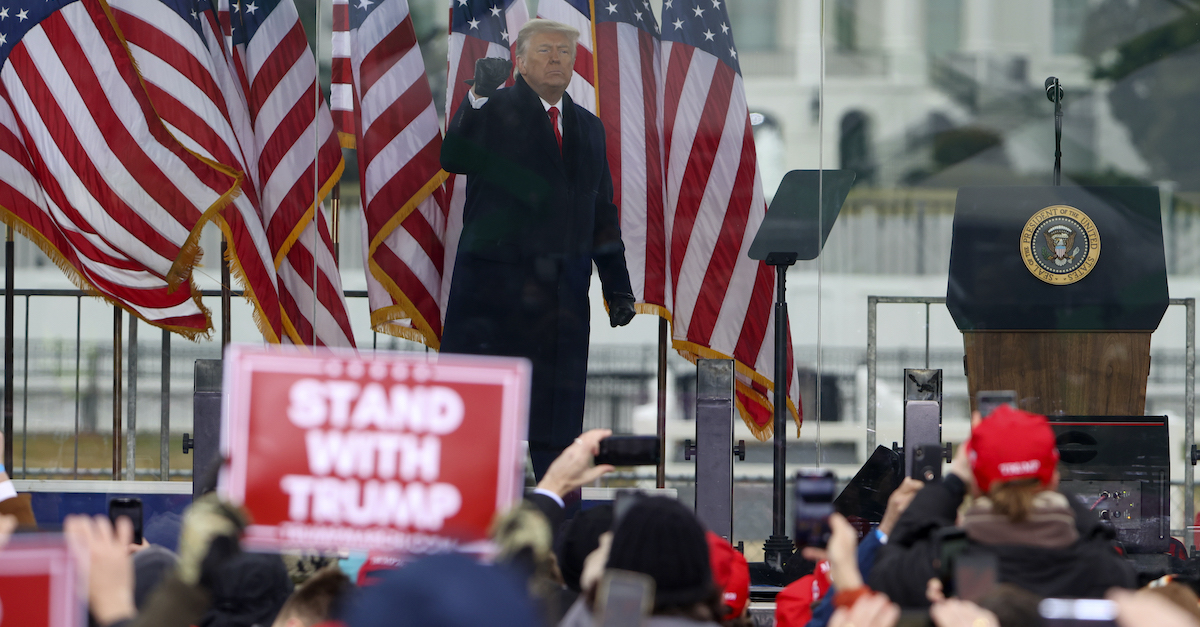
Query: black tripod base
x,y
777,551
773,571
782,565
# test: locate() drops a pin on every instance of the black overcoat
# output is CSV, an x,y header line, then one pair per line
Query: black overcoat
x,y
534,221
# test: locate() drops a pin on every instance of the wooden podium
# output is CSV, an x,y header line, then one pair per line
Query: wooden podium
x,y
1057,291
1090,373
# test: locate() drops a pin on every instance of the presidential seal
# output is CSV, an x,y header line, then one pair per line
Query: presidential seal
x,y
1060,245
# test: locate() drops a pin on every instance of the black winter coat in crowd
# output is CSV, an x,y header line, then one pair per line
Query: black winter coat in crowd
x,y
1085,568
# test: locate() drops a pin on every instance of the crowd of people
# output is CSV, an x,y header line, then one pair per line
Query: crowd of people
x,y
653,563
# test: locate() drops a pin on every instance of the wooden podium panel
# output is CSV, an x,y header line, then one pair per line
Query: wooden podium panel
x,y
1076,373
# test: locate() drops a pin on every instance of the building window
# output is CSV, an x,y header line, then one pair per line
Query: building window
x,y
854,147
754,23
845,26
943,21
1069,18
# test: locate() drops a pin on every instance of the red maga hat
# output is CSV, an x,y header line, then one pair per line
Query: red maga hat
x,y
1012,444
731,573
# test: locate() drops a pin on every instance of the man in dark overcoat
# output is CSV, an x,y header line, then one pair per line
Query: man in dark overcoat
x,y
538,213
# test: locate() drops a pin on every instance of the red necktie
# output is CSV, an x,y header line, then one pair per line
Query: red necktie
x,y
554,123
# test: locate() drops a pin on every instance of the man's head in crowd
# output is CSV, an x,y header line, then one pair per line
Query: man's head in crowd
x,y
660,537
446,590
314,602
150,567
580,536
1013,456
248,589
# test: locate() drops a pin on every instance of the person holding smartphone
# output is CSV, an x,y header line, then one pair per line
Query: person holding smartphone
x,y
1044,542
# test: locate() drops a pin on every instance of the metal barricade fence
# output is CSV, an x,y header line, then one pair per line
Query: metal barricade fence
x,y
64,383
81,378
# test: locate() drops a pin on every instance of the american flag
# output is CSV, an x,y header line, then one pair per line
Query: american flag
x,y
722,299
630,75
398,143
478,28
341,84
578,13
89,171
297,152
182,60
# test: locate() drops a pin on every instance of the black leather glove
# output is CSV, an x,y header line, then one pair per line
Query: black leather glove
x,y
620,309
490,73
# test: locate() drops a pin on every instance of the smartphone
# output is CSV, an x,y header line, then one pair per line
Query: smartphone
x,y
624,598
622,502
814,504
629,450
986,401
131,508
975,575
1078,612
927,462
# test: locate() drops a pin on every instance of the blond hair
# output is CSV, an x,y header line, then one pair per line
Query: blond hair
x,y
538,26
1014,499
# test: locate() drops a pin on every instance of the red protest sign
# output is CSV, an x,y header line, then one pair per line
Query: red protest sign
x,y
38,584
395,452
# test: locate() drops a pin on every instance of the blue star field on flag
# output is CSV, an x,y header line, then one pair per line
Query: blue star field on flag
x,y
635,12
483,19
247,15
360,9
189,10
702,24
18,18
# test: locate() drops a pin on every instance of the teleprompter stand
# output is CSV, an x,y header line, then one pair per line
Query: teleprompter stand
x,y
795,228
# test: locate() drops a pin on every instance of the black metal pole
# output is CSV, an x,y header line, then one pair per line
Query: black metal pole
x,y
226,297
778,548
1058,115
164,429
116,417
335,221
10,276
778,502
661,472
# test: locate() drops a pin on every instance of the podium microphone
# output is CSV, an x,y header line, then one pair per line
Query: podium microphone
x,y
1054,92
1051,85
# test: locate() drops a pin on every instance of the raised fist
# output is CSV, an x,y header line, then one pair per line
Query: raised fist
x,y
490,73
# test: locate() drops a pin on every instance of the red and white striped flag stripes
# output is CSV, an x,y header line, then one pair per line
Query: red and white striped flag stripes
x,y
91,174
183,63
629,80
341,83
297,161
722,298
398,141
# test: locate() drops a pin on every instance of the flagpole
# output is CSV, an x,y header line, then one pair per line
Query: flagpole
x,y
335,222
316,163
595,60
118,340
662,403
226,296
10,275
